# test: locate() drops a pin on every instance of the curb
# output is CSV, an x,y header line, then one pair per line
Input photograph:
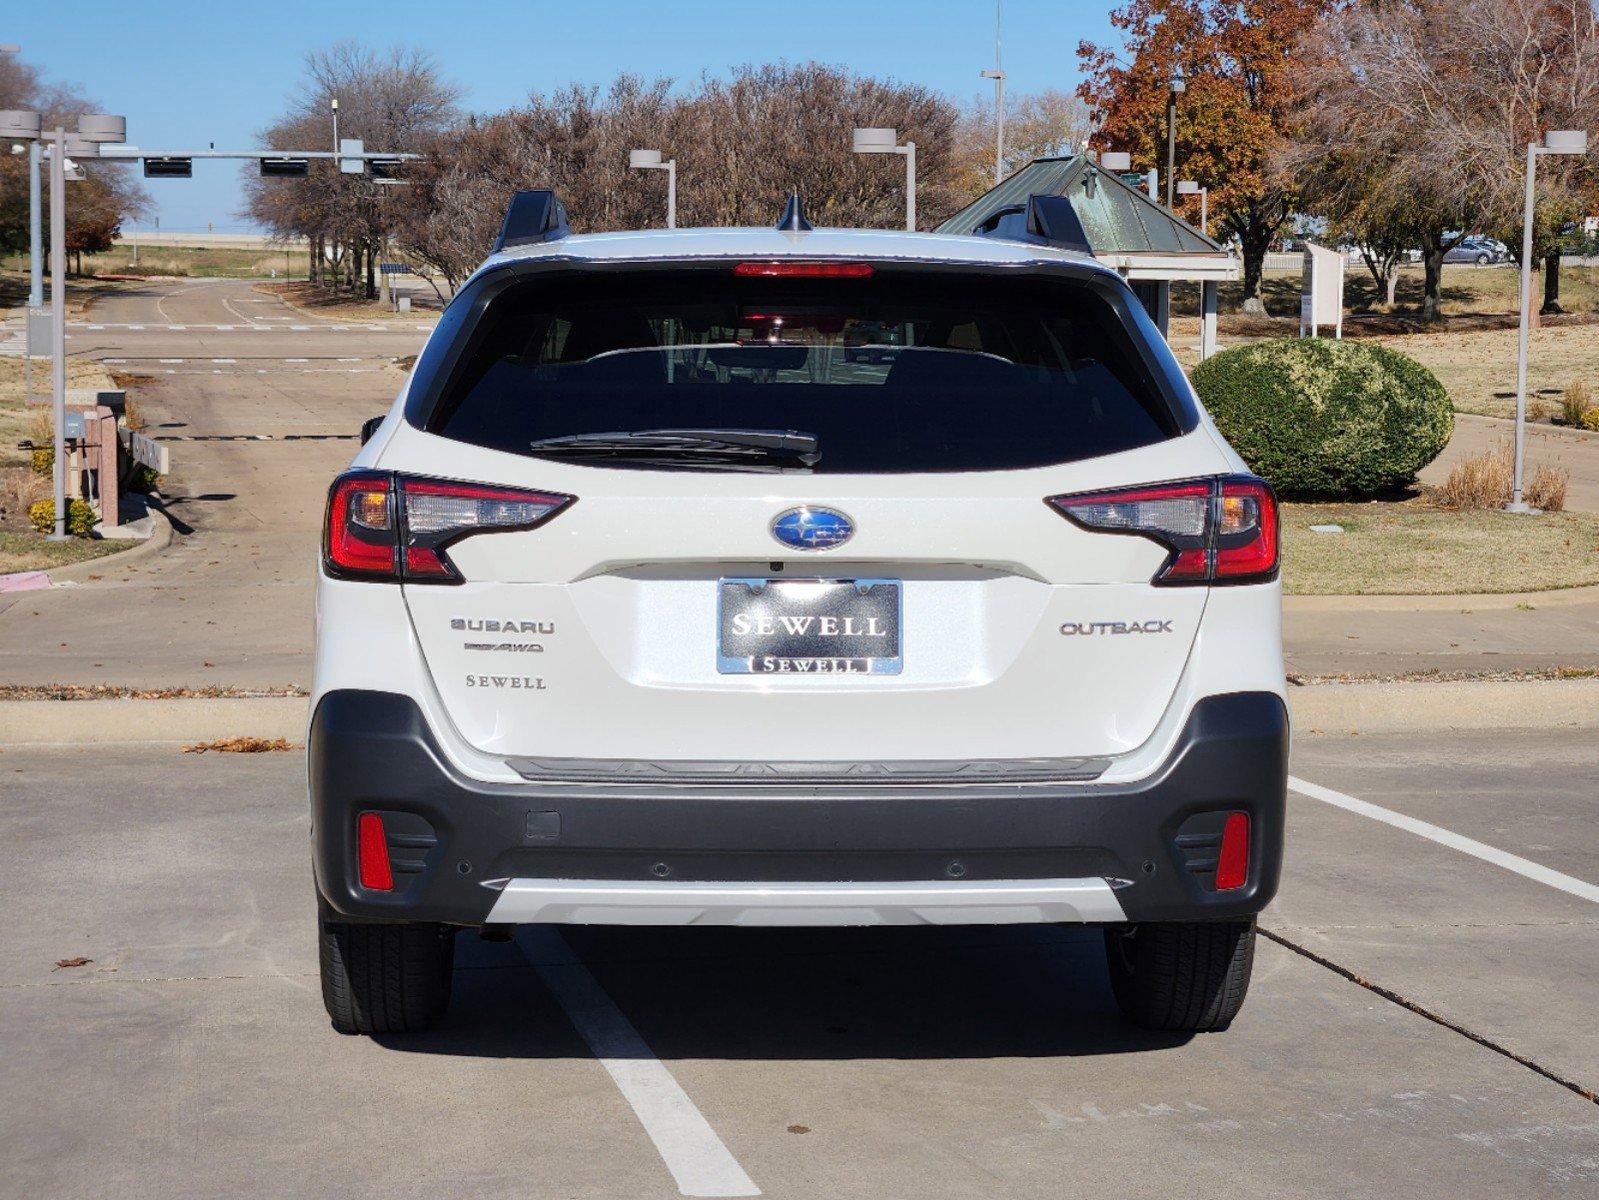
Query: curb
x,y
1534,427
1342,708
149,722
1327,708
160,538
313,315
1444,602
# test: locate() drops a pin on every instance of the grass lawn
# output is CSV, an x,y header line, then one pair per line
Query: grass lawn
x,y
1467,290
1412,549
201,262
32,552
17,421
1478,367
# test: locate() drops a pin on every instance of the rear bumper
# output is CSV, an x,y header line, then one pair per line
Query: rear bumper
x,y
772,852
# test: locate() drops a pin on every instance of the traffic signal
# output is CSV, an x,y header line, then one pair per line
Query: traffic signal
x,y
285,168
168,168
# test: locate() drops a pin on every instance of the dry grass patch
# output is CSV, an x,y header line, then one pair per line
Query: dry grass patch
x,y
33,552
17,419
1487,480
1415,548
240,745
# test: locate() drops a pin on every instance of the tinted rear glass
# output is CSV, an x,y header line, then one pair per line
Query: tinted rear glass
x,y
904,371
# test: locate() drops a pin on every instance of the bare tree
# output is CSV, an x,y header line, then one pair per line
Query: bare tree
x,y
1417,113
393,101
741,143
1037,125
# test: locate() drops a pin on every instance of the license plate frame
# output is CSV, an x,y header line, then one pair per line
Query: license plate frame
x,y
891,600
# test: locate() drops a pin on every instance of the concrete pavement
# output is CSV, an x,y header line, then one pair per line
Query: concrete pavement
x,y
191,1056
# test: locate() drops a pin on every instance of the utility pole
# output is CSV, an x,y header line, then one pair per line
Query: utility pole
x,y
998,76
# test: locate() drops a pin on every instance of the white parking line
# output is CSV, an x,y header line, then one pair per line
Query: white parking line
x,y
1490,854
696,1157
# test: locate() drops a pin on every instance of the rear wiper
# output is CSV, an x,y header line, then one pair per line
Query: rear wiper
x,y
738,443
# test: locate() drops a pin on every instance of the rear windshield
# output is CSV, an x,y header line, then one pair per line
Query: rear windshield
x,y
900,371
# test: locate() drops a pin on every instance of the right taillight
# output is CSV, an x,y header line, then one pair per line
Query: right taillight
x,y
389,527
1221,530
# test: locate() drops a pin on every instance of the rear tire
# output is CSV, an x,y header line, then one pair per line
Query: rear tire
x,y
1188,976
389,978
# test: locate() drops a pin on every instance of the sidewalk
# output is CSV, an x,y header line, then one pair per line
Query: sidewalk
x,y
1384,636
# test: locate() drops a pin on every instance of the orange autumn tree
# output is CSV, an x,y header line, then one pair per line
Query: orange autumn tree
x,y
1238,59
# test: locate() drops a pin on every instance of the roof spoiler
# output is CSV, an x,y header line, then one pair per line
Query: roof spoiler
x,y
793,218
1050,220
534,215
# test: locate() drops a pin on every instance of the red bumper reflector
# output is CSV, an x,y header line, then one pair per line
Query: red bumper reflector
x,y
372,853
1232,865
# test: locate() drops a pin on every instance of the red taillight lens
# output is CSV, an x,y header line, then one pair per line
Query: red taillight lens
x,y
372,853
1246,530
1232,864
373,517
1218,530
361,537
793,269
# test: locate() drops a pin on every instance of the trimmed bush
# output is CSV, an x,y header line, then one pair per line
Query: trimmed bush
x,y
43,460
81,517
1322,419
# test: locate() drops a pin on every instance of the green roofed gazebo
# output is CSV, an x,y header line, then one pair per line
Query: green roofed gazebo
x,y
1126,230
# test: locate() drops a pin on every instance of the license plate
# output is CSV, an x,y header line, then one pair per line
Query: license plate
x,y
808,627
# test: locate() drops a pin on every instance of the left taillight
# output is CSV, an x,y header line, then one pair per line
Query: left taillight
x,y
386,527
1221,530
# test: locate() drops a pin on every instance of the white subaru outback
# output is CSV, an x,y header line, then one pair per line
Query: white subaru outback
x,y
796,577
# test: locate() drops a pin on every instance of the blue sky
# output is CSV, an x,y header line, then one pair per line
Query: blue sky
x,y
187,73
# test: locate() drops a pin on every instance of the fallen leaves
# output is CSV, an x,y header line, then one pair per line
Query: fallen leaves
x,y
63,964
240,745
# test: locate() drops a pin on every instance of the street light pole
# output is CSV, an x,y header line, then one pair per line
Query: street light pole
x,y
1190,187
651,160
998,76
886,141
1556,141
35,229
1177,88
58,323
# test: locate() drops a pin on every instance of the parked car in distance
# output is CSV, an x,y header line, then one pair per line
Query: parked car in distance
x,y
795,577
1474,249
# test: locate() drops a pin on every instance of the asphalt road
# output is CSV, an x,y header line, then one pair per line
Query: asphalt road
x,y
191,1056
230,602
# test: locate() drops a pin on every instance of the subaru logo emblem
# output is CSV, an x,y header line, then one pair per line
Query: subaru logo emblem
x,y
810,528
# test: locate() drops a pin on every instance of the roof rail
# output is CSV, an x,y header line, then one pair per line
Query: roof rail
x,y
1046,219
534,215
793,218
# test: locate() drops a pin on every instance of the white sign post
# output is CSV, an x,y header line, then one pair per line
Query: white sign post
x,y
1321,299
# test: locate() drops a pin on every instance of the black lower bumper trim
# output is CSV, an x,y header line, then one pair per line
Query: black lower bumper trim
x,y
451,837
